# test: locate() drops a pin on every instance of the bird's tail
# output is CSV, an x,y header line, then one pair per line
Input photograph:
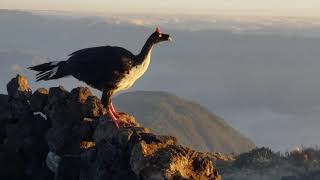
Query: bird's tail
x,y
50,70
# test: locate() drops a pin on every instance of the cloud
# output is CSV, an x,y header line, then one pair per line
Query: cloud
x,y
16,68
39,60
140,22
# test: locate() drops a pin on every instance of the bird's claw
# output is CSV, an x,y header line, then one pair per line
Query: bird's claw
x,y
118,119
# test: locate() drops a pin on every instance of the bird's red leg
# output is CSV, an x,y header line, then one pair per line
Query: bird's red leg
x,y
116,114
113,110
113,117
106,101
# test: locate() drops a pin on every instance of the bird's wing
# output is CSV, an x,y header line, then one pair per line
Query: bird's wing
x,y
100,63
112,53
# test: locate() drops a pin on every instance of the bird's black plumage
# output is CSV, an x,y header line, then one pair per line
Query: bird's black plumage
x,y
100,67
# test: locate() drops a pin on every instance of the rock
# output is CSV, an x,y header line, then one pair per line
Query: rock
x,y
93,107
63,108
67,139
259,157
18,109
11,164
106,130
76,100
87,144
19,94
151,156
57,95
64,140
130,120
68,168
53,161
169,161
56,103
61,135
25,138
4,101
4,115
18,88
80,94
39,99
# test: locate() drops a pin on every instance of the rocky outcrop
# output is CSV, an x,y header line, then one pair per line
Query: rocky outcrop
x,y
56,134
263,163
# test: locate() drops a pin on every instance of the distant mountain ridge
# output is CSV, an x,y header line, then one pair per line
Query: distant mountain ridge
x,y
194,125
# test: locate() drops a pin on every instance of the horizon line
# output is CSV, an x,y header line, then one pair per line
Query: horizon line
x,y
217,12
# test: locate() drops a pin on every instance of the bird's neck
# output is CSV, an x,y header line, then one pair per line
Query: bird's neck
x,y
145,51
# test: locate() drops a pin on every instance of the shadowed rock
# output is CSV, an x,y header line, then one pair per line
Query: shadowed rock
x,y
39,99
80,94
64,135
4,115
93,107
18,88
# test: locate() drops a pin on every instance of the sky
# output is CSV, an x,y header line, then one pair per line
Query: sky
x,y
270,7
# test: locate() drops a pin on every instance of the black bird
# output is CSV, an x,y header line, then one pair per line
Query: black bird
x,y
109,69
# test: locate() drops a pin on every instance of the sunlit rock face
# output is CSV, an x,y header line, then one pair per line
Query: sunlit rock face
x,y
56,134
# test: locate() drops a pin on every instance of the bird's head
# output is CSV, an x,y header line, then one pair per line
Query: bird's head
x,y
158,36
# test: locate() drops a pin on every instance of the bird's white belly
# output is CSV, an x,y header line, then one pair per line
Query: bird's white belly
x,y
134,74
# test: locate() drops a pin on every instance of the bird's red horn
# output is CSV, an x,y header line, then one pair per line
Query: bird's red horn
x,y
158,30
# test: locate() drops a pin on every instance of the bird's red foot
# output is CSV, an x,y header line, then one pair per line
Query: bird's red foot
x,y
116,117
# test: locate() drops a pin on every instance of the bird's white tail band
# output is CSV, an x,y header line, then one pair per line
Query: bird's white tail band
x,y
50,70
54,71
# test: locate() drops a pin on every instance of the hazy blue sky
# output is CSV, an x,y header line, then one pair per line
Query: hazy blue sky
x,y
275,7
